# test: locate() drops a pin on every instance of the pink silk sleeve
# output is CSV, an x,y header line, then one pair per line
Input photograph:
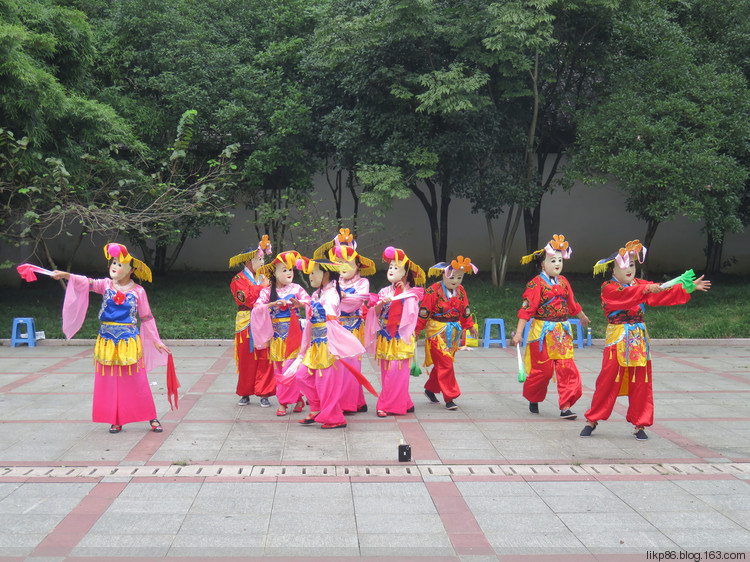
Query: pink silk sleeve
x,y
260,320
371,330
75,305
410,314
152,357
341,342
352,302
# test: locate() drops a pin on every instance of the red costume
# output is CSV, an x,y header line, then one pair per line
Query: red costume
x,y
255,373
548,302
626,364
444,318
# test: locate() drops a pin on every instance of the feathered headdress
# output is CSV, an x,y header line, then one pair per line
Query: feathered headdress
x,y
459,264
344,247
402,260
623,257
249,253
289,259
557,244
119,251
306,265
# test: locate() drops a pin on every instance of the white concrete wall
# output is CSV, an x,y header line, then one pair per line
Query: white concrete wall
x,y
593,219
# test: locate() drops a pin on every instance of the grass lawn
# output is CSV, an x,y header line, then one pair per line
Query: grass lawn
x,y
200,306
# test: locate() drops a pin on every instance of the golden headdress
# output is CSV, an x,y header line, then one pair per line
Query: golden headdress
x,y
119,251
402,260
557,244
623,258
249,253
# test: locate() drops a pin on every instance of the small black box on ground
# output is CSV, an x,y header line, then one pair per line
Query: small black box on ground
x,y
404,453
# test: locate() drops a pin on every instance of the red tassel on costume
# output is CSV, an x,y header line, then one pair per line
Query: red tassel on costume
x,y
172,383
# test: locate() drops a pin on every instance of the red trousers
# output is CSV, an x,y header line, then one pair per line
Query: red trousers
x,y
442,376
255,372
569,387
614,377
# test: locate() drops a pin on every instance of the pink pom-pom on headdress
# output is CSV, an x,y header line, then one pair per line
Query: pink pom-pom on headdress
x,y
389,253
114,250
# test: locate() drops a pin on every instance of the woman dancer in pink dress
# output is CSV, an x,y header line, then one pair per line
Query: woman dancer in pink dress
x,y
124,353
355,292
275,324
389,331
324,342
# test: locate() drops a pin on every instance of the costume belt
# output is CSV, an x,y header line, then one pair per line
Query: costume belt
x,y
452,331
548,326
629,328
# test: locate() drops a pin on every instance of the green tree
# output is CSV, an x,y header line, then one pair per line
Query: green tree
x,y
668,128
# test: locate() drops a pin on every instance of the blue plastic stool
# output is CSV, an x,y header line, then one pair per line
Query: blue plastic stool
x,y
486,339
579,332
16,338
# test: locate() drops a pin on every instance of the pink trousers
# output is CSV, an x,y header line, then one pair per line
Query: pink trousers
x,y
323,390
121,398
394,378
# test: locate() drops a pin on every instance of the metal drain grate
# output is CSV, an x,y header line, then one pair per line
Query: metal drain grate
x,y
741,470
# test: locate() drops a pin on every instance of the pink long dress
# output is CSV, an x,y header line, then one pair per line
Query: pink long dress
x,y
272,327
123,355
324,340
394,347
355,291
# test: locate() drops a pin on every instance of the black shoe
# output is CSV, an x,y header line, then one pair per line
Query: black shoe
x,y
362,408
431,396
264,403
641,435
534,407
410,410
568,415
451,405
587,430
244,401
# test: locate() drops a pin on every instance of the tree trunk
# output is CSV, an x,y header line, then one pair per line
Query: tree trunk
x,y
437,214
714,249
355,198
493,256
650,233
508,236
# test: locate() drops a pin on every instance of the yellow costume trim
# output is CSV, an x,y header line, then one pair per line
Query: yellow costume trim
x,y
317,357
558,342
615,337
395,349
242,320
528,259
127,351
277,350
436,331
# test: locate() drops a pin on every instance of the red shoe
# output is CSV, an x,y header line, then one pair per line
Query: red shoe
x,y
281,411
382,414
156,426
299,406
115,428
333,425
308,420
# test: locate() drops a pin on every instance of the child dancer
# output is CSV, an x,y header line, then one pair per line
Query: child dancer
x,y
123,354
255,374
275,319
445,313
626,364
548,301
323,342
355,292
389,330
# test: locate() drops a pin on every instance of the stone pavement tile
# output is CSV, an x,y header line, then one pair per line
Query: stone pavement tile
x,y
209,526
30,523
521,490
214,407
25,362
368,441
7,488
614,529
423,544
742,518
137,524
397,523
32,496
323,522
148,505
196,442
99,445
310,443
727,540
294,506
159,490
524,524
389,489
656,496
44,442
379,505
676,520
488,505
79,366
19,544
60,382
313,490
311,544
229,498
535,541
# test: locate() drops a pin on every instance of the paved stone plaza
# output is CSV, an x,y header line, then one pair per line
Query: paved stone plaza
x,y
488,481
